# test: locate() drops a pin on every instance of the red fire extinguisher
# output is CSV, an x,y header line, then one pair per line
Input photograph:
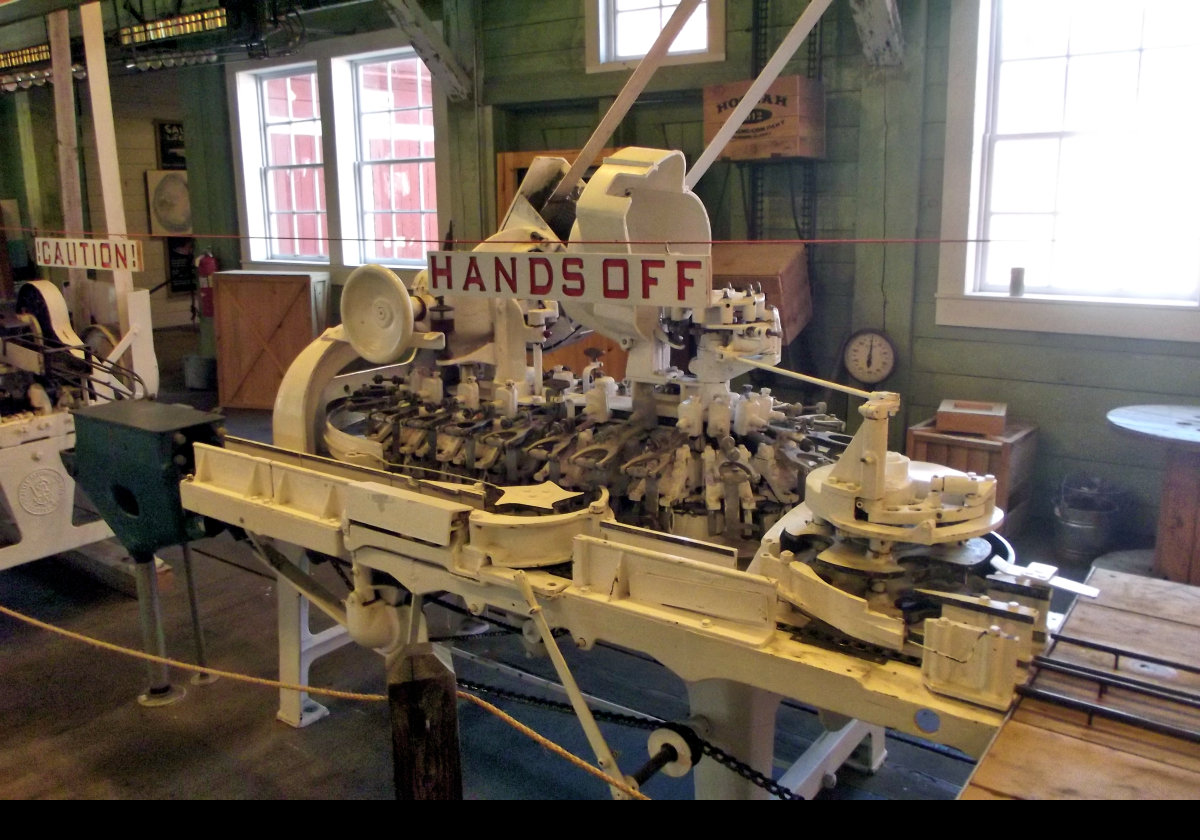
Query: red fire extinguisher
x,y
206,267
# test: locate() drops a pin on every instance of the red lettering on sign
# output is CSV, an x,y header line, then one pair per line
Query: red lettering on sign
x,y
122,255
439,273
105,255
649,279
682,280
572,275
58,254
474,278
622,268
536,288
510,276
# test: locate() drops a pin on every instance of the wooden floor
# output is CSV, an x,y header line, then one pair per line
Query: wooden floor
x,y
1046,751
73,727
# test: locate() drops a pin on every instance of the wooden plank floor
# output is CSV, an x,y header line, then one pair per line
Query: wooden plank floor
x,y
1046,751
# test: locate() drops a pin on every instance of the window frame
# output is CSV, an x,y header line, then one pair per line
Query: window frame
x,y
361,164
333,59
957,304
266,169
598,14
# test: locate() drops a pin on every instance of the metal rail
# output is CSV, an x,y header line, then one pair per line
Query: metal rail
x,y
1097,710
1110,680
1129,654
1106,679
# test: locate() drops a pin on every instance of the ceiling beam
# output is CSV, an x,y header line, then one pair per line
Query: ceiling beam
x,y
878,23
14,11
428,43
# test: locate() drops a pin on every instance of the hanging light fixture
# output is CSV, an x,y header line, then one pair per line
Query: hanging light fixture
x,y
23,56
191,23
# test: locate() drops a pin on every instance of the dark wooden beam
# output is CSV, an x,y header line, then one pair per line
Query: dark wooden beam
x,y
427,41
422,693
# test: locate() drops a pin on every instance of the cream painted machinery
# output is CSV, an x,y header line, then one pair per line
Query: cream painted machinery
x,y
46,371
747,544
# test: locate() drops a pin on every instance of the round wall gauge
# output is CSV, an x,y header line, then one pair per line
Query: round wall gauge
x,y
869,356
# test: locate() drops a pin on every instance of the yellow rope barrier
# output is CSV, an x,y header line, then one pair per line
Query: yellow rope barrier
x,y
553,747
624,787
186,666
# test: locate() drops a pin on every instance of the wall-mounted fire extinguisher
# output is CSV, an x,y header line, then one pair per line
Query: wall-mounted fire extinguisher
x,y
206,267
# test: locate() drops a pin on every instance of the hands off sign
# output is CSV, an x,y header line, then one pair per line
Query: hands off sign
x,y
630,279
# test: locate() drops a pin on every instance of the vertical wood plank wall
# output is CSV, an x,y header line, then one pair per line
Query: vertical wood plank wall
x,y
881,178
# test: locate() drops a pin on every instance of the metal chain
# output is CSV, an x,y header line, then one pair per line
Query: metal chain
x,y
634,721
747,772
638,722
833,640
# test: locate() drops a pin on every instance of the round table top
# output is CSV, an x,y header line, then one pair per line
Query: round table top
x,y
1175,423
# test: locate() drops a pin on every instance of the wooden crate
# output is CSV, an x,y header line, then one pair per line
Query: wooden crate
x,y
787,122
262,320
1007,456
781,271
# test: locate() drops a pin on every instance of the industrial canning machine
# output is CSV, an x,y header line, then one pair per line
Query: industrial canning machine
x,y
748,544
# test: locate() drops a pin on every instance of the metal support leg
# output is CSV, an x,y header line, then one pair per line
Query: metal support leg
x,y
741,721
298,649
844,739
159,692
197,630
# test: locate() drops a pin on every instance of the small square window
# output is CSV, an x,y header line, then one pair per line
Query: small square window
x,y
621,32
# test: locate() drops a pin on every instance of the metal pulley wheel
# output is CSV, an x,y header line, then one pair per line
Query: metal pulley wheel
x,y
377,314
674,749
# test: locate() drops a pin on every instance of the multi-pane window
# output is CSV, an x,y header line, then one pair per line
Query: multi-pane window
x,y
621,32
336,155
397,191
1089,173
293,179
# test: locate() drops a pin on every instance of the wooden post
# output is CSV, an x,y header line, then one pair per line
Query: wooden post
x,y
425,751
69,183
1177,544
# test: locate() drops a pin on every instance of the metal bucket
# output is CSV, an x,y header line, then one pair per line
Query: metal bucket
x,y
1085,518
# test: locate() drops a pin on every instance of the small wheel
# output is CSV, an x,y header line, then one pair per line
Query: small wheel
x,y
377,314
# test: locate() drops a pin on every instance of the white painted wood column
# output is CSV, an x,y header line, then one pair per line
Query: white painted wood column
x,y
70,189
133,305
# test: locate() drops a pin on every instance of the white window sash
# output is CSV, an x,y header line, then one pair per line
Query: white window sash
x,y
957,304
599,19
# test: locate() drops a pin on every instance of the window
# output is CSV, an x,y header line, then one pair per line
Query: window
x,y
293,178
333,178
397,189
1068,159
620,32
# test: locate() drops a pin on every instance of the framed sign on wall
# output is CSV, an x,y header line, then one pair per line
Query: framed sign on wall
x,y
181,272
172,153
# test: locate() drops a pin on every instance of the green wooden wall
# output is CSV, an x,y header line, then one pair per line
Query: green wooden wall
x,y
880,180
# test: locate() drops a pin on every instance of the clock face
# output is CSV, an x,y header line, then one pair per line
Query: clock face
x,y
869,356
